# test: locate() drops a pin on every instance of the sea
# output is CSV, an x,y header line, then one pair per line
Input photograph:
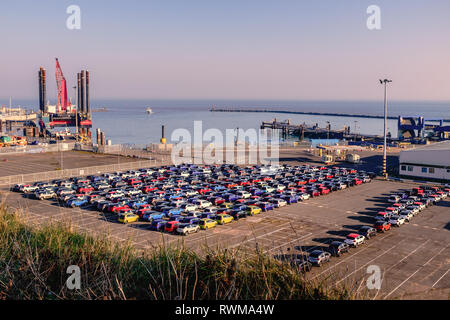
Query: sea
x,y
127,122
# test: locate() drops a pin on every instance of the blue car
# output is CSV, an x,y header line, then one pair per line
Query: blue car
x,y
256,192
158,225
265,206
290,199
172,211
136,204
190,220
208,215
77,202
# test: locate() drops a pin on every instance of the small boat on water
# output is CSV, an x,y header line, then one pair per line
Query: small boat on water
x,y
149,110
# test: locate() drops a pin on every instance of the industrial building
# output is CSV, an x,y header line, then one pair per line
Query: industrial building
x,y
431,162
420,128
65,114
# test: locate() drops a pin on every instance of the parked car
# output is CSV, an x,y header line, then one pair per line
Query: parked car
x,y
224,218
382,226
187,228
207,223
396,221
319,257
337,248
128,217
354,239
367,231
302,265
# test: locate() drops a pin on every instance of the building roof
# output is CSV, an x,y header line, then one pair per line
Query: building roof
x,y
444,145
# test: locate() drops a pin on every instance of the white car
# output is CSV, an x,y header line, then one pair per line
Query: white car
x,y
269,189
189,207
46,194
133,192
407,215
114,195
244,194
203,203
394,199
304,196
396,221
414,210
191,193
279,203
354,239
30,189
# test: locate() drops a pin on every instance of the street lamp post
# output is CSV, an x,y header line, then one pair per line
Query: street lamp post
x,y
385,82
76,114
328,130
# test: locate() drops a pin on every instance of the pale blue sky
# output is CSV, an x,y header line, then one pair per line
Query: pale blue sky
x,y
230,49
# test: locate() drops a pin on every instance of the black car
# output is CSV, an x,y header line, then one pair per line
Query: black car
x,y
238,214
367,231
337,248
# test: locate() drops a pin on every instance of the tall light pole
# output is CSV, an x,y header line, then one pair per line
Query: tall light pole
x,y
385,82
76,114
328,130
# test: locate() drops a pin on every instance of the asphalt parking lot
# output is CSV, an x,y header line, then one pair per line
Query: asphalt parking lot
x,y
414,259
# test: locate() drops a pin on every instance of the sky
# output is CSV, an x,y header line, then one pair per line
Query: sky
x,y
229,49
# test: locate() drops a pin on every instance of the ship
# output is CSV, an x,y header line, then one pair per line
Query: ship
x,y
149,110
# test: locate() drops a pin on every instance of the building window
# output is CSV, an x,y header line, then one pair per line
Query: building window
x,y
424,170
431,170
410,168
403,168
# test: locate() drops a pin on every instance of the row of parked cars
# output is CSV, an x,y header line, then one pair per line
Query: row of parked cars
x,y
401,208
184,199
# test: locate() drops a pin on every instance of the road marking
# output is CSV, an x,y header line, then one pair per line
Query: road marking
x,y
368,263
440,278
352,255
287,243
415,272
263,235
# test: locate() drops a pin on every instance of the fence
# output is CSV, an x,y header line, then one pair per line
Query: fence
x,y
38,148
67,173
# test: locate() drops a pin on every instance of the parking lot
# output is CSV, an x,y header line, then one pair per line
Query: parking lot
x,y
414,259
16,164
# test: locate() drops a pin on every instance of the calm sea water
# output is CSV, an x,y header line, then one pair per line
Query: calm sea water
x,y
127,121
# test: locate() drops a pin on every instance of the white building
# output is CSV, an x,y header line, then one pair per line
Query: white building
x,y
430,161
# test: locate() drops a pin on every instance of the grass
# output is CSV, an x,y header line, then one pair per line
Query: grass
x,y
34,260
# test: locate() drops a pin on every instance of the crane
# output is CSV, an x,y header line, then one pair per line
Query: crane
x,y
62,88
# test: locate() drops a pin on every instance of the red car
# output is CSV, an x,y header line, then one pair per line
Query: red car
x,y
148,189
85,189
171,226
357,182
382,226
314,193
119,207
324,191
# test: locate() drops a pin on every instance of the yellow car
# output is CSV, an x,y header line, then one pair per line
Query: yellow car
x,y
128,217
227,205
207,223
224,218
252,210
